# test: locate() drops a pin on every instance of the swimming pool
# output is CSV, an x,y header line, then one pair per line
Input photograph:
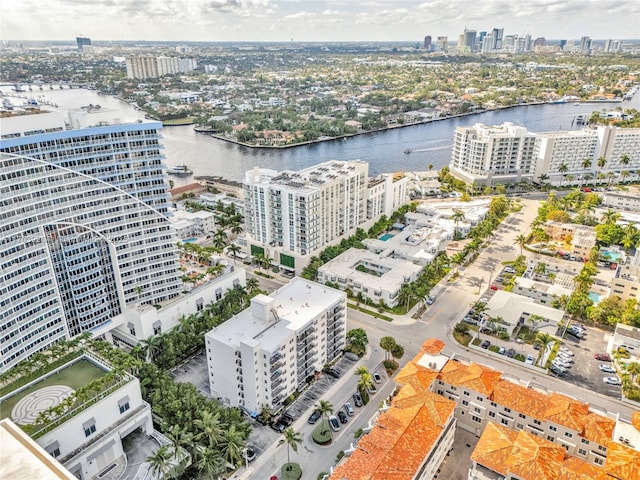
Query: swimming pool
x,y
611,256
189,240
595,297
386,237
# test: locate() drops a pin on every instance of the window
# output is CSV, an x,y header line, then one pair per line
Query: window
x,y
492,414
466,393
568,435
480,399
476,419
53,449
123,404
519,426
494,404
504,421
602,448
598,460
89,427
552,428
582,452
522,415
465,403
537,422
477,409
508,410
585,441
550,438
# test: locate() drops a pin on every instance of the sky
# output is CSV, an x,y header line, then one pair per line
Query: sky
x,y
313,20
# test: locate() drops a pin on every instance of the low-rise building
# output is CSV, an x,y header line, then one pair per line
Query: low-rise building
x,y
579,238
375,277
273,348
193,224
516,310
410,438
87,438
628,201
539,292
626,282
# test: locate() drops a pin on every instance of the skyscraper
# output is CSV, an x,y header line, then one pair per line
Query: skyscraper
x,y
443,43
82,42
427,43
85,232
585,45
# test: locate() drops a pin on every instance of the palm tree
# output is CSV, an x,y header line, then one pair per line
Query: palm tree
x,y
601,162
544,339
234,250
232,444
586,164
210,462
325,409
180,439
210,428
457,217
610,216
562,168
252,285
366,379
387,344
521,241
292,439
159,462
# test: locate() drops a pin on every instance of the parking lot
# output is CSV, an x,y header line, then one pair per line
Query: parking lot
x,y
585,371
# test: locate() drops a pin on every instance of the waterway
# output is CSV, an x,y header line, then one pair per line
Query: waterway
x,y
384,151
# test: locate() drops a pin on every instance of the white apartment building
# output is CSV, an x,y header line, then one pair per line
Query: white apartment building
x,y
290,215
153,67
84,220
484,155
270,350
376,277
621,201
509,154
193,224
386,193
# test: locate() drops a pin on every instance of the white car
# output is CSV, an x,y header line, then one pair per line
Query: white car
x,y
334,423
566,351
564,357
510,270
607,368
529,360
612,380
560,363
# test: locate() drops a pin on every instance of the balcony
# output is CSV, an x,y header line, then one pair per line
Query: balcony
x,y
276,366
277,382
275,375
275,357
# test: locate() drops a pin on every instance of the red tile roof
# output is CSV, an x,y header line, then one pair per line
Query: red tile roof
x,y
403,435
622,462
433,346
473,376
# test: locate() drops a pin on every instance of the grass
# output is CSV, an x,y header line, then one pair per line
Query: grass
x,y
370,312
290,471
178,121
75,376
322,433
462,338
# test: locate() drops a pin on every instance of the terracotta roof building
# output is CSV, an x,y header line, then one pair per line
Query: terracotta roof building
x,y
410,439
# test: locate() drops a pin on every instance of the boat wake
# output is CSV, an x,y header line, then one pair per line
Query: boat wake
x,y
433,149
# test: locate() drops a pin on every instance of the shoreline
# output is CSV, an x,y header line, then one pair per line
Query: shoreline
x,y
384,129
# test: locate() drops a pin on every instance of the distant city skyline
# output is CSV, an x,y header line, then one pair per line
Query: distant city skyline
x,y
313,20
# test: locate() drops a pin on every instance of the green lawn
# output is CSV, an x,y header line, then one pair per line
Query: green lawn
x,y
75,376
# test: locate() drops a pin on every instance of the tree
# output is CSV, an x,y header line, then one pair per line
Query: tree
x,y
562,168
181,440
601,162
544,339
159,462
210,428
366,379
357,338
232,444
610,216
234,250
457,217
325,408
210,462
253,285
291,438
521,241
387,344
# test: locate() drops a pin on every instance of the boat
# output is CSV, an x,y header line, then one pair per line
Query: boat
x,y
408,151
6,103
180,170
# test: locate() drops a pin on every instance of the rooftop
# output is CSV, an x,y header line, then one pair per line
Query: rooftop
x,y
289,309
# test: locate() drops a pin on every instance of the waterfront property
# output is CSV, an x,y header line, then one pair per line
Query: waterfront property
x,y
292,215
277,345
370,276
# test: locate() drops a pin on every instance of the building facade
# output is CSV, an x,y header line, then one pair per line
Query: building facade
x,y
86,233
485,155
298,213
262,355
509,154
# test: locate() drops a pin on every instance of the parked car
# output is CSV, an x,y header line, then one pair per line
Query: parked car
x,y
334,423
612,380
485,344
430,300
273,477
560,363
494,287
605,357
333,372
607,368
565,357
349,409
511,353
510,270
502,351
342,416
377,378
529,360
250,453
357,399
566,351
557,371
314,417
